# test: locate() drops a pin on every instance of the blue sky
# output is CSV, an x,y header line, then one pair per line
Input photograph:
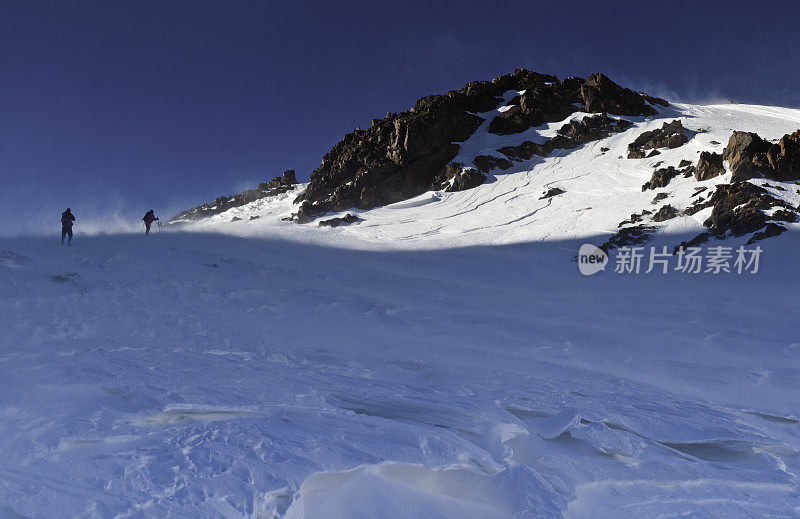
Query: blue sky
x,y
115,107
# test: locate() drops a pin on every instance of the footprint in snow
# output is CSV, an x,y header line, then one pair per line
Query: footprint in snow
x,y
64,278
13,260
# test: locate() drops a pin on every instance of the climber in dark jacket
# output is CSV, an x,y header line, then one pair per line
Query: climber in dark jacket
x,y
149,218
66,226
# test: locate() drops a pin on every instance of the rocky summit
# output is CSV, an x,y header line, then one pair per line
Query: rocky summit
x,y
407,153
583,147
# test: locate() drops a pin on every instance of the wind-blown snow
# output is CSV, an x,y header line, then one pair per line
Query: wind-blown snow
x,y
446,360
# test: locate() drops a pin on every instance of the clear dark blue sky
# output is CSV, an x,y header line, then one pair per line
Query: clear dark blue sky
x,y
114,107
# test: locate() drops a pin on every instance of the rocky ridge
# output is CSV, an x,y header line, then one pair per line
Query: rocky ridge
x,y
408,153
278,185
738,208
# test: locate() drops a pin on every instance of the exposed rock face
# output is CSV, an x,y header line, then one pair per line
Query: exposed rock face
x,y
405,154
771,230
553,101
282,184
600,94
667,212
402,155
571,135
670,135
709,166
587,130
635,218
629,236
659,197
391,161
739,209
456,178
750,156
553,191
336,222
694,242
660,178
549,101
486,163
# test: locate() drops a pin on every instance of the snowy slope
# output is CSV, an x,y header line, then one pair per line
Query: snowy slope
x,y
211,376
602,189
442,358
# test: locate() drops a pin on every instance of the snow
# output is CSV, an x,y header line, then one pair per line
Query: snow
x,y
602,189
442,358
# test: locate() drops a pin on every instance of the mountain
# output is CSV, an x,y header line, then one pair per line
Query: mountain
x,y
546,158
418,340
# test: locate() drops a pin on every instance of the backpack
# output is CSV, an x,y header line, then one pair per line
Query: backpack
x,y
65,219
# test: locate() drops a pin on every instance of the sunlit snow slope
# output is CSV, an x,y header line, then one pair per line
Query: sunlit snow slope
x,y
602,188
442,358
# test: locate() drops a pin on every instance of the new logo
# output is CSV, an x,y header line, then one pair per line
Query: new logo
x,y
591,259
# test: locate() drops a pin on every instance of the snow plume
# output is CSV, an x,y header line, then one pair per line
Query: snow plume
x,y
24,214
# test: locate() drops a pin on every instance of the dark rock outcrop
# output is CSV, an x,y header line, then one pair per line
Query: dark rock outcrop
x,y
278,185
588,129
457,178
553,101
667,212
739,209
635,218
526,150
660,178
600,94
406,154
336,222
771,230
545,102
486,163
709,166
694,242
570,135
750,156
628,236
670,135
553,191
659,197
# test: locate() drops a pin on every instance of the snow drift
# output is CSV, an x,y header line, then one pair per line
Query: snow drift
x,y
438,357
